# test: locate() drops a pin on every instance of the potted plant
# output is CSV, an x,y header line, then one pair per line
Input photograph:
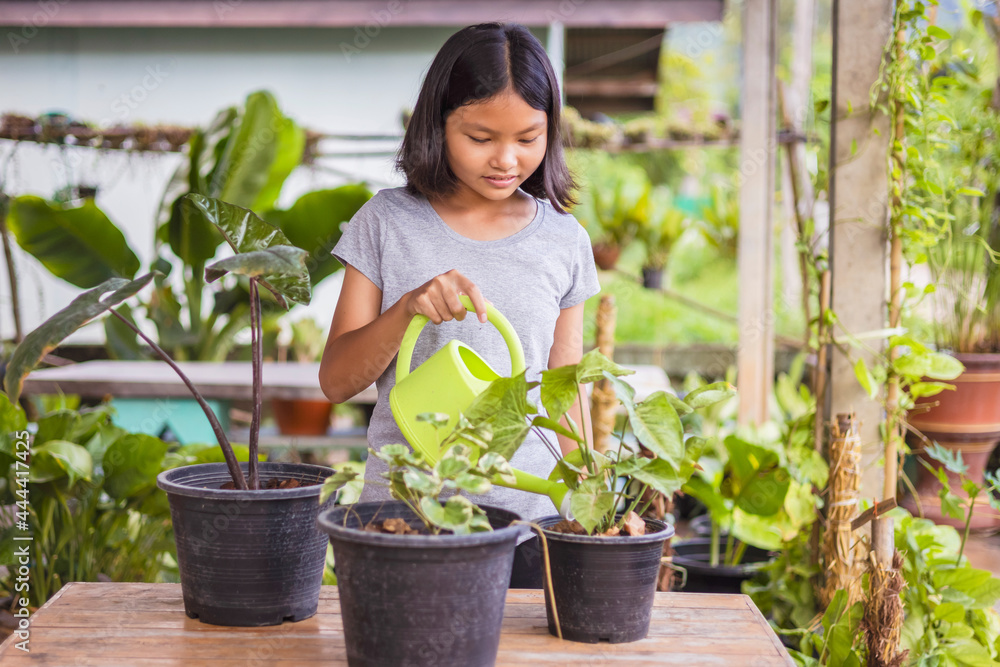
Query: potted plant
x,y
963,255
606,560
611,201
744,489
421,581
249,554
303,416
661,225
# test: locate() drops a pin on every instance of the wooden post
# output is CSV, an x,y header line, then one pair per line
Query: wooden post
x,y
758,146
603,401
858,211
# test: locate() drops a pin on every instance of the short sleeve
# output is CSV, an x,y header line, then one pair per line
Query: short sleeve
x,y
361,243
583,272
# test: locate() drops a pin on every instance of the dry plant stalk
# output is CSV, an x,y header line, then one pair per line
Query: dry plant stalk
x,y
603,402
883,617
843,559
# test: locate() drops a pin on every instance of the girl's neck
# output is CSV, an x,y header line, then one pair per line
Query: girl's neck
x,y
484,220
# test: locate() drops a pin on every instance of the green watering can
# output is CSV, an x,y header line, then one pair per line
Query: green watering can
x,y
447,383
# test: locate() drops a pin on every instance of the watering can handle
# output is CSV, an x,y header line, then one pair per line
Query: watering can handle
x,y
492,315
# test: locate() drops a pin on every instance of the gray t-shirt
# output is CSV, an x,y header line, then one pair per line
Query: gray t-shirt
x,y
399,242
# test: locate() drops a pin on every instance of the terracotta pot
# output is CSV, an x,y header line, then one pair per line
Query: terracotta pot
x,y
606,256
301,416
966,420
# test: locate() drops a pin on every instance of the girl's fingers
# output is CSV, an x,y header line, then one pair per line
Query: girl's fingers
x,y
477,301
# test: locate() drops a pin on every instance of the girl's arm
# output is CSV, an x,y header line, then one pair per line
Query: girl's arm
x,y
362,342
567,348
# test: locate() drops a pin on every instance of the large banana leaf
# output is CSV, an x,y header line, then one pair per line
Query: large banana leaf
x,y
245,233
78,244
50,333
194,242
263,150
313,223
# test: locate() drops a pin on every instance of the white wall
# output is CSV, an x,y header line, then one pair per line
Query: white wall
x,y
183,77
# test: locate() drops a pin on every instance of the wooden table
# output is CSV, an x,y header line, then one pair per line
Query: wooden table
x,y
226,380
136,625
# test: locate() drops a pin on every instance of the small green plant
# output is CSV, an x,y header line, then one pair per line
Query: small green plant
x,y
660,226
954,505
420,484
607,487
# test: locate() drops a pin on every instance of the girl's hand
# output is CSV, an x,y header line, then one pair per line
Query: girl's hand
x,y
438,298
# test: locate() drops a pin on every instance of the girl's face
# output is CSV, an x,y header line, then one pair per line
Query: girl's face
x,y
495,145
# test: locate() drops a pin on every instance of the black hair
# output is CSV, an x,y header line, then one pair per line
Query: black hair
x,y
476,64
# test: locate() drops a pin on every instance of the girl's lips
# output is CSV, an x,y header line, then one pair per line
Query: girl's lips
x,y
500,182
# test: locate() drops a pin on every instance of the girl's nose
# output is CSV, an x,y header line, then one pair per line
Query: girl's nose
x,y
504,158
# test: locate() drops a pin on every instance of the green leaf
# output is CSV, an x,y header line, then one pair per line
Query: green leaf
x,y
473,484
545,422
865,378
593,365
950,612
131,464
756,480
420,482
972,192
657,473
263,149
924,389
455,515
504,404
314,222
559,391
710,394
245,233
56,459
54,330
938,32
591,502
274,261
337,481
453,462
657,426
80,245
494,465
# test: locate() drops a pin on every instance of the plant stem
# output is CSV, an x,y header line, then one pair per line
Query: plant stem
x,y
220,434
738,555
548,443
585,445
256,353
729,545
631,508
713,555
968,525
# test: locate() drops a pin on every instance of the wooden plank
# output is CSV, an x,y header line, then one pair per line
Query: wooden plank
x,y
228,380
350,13
859,147
128,624
758,145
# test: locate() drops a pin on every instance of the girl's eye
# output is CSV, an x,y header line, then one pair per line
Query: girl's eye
x,y
479,141
529,141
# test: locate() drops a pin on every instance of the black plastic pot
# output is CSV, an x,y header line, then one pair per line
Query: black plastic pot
x,y
694,556
604,586
420,599
247,558
652,278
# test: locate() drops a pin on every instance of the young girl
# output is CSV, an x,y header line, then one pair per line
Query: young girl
x,y
483,214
